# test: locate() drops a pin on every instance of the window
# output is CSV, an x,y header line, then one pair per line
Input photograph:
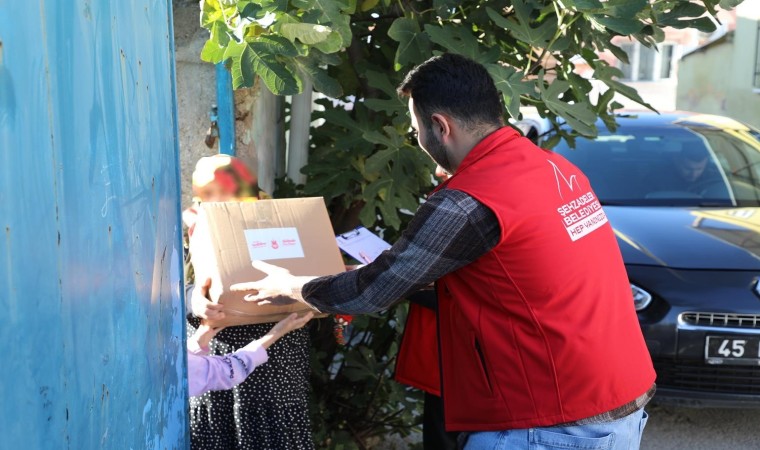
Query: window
x,y
648,64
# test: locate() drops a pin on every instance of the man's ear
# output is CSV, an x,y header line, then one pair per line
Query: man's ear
x,y
442,126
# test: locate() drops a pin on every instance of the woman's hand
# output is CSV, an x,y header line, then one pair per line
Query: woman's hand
x,y
202,306
203,335
283,327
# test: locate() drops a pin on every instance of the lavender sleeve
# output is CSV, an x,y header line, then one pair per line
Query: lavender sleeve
x,y
215,373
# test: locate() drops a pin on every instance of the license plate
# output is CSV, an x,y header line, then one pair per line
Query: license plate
x,y
733,350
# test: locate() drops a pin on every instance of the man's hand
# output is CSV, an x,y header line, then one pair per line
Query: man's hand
x,y
279,287
441,173
202,306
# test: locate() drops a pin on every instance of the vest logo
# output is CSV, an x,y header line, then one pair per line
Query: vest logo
x,y
275,245
570,183
583,213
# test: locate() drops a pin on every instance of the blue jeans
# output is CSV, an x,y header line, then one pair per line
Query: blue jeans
x,y
621,434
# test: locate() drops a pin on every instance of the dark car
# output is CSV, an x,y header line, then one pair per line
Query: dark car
x,y
682,192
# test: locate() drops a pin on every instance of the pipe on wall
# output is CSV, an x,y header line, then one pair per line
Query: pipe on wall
x,y
225,100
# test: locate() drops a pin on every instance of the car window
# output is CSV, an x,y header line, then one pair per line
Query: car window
x,y
738,152
671,165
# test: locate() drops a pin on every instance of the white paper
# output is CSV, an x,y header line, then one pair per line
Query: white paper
x,y
361,244
273,243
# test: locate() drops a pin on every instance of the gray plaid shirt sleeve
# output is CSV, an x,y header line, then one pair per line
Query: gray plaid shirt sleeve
x,y
449,231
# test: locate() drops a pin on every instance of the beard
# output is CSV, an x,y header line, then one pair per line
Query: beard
x,y
437,151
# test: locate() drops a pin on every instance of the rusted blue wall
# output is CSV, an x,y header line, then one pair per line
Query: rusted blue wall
x,y
90,254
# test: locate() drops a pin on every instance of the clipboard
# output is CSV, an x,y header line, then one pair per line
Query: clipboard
x,y
361,244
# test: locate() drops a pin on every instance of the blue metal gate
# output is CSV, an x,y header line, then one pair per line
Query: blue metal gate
x,y
90,253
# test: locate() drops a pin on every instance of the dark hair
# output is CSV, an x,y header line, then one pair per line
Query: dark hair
x,y
694,153
454,85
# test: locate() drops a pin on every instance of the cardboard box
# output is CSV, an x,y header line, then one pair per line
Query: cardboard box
x,y
295,234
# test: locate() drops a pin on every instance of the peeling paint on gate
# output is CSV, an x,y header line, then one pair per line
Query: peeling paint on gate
x,y
90,256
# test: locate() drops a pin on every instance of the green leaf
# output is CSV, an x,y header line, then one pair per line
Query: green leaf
x,y
703,24
454,39
511,85
390,214
373,189
366,5
332,44
552,141
618,52
219,34
248,9
414,45
680,11
275,45
619,25
393,105
212,52
730,4
308,33
445,5
329,59
342,25
625,8
606,73
686,15
381,81
211,11
381,160
581,86
519,24
604,101
322,82
580,116
257,58
584,5
368,214
214,48
332,14
241,68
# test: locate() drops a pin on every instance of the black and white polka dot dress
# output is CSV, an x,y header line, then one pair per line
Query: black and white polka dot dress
x,y
269,410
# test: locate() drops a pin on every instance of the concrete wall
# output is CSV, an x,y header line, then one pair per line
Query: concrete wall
x,y
718,79
90,253
196,93
702,88
196,90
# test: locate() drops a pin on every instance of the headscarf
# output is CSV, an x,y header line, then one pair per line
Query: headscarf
x,y
230,173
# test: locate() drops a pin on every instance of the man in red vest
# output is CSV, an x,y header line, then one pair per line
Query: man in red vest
x,y
538,337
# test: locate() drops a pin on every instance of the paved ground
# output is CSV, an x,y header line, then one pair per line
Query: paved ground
x,y
672,427
676,428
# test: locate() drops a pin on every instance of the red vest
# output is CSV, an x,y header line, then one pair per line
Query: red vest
x,y
541,330
417,362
